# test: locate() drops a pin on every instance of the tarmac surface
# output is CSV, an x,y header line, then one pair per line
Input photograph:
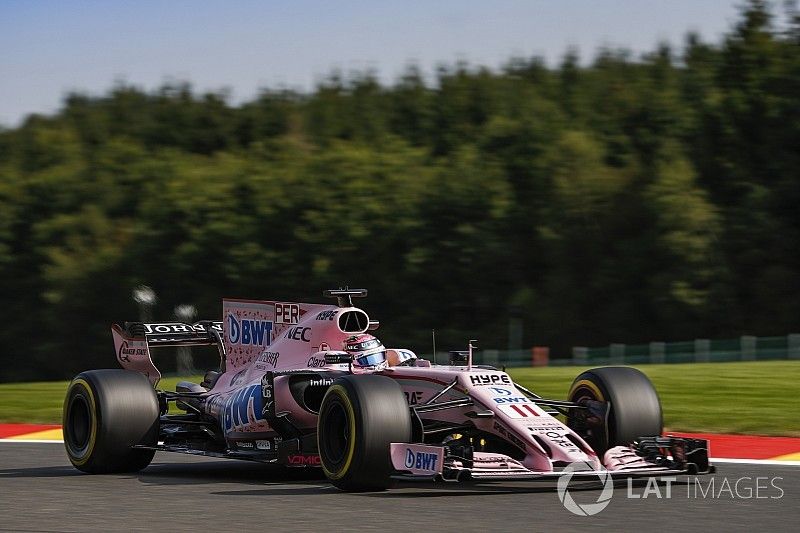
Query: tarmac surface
x,y
41,491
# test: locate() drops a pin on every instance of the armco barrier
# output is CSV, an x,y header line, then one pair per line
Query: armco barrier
x,y
745,348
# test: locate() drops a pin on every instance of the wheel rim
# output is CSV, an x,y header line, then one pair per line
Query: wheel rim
x,y
336,441
79,420
590,431
578,420
584,393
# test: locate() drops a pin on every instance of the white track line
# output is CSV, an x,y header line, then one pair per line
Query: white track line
x,y
713,460
756,462
33,441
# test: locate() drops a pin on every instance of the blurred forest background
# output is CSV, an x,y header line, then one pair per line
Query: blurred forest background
x,y
623,199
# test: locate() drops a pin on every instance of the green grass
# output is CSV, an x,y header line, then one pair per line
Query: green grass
x,y
752,398
41,402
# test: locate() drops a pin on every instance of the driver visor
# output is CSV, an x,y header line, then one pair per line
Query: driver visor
x,y
372,359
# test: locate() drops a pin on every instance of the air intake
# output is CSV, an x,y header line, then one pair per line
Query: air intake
x,y
353,321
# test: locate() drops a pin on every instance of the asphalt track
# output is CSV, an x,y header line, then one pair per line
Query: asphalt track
x,y
40,491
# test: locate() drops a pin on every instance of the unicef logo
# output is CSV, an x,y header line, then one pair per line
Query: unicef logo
x,y
410,459
584,509
234,330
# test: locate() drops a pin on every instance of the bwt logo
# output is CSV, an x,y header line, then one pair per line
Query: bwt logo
x,y
513,400
421,460
247,331
244,407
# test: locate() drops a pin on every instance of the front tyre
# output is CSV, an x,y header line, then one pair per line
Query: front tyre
x,y
634,407
359,417
106,413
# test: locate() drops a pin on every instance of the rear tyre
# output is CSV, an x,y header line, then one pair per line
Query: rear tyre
x,y
358,419
635,410
106,412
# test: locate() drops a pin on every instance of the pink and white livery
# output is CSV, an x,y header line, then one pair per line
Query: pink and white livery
x,y
308,385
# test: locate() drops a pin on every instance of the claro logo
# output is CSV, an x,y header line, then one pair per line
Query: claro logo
x,y
249,332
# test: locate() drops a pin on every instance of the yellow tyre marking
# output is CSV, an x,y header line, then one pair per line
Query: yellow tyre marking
x,y
342,393
589,385
93,416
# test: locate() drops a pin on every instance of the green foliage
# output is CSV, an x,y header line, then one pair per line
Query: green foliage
x,y
629,199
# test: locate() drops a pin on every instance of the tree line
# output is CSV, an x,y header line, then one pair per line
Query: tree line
x,y
621,199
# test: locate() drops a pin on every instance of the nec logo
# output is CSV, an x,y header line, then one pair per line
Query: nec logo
x,y
490,379
298,333
421,460
249,332
287,313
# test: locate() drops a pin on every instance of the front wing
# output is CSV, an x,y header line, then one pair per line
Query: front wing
x,y
649,456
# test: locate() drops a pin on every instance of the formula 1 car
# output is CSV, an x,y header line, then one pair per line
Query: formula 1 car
x,y
285,393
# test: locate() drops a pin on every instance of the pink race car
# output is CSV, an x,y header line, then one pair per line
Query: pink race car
x,y
307,385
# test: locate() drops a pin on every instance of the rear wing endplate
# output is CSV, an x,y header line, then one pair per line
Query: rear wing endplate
x,y
133,340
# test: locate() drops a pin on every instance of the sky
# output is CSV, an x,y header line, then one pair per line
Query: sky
x,y
49,48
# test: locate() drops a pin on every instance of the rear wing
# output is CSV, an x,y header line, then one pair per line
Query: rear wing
x,y
205,332
133,340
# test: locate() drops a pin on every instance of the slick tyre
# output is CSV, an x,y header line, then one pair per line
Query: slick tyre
x,y
359,417
635,410
106,413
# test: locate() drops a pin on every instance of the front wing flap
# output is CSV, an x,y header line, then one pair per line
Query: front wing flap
x,y
648,456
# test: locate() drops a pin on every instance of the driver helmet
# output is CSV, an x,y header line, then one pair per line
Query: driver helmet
x,y
401,357
366,350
